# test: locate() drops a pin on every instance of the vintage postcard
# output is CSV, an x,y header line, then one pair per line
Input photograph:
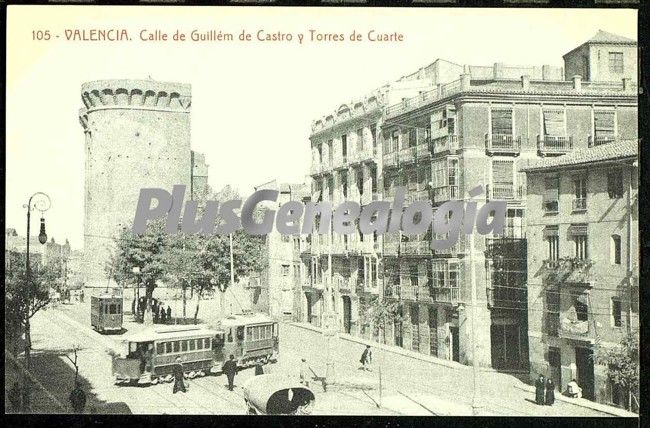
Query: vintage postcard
x,y
322,211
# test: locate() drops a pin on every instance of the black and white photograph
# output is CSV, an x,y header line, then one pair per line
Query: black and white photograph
x,y
322,211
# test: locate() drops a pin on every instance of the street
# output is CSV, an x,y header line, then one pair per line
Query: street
x,y
409,386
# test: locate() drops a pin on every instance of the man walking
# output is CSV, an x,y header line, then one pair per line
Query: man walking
x,y
230,369
179,375
539,390
366,358
169,313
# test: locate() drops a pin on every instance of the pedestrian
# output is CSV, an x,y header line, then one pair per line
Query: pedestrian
x,y
539,390
573,390
304,372
259,370
81,295
230,369
366,358
15,397
162,315
179,375
78,398
169,314
550,392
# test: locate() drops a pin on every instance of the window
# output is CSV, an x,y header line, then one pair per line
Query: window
x,y
360,139
285,270
453,275
184,345
453,178
192,345
554,123
394,141
199,344
582,308
552,312
615,250
413,270
502,179
413,137
552,238
206,342
502,122
344,145
285,238
615,184
113,309
616,62
580,200
616,312
229,335
604,122
373,134
160,348
177,346
580,247
168,347
551,195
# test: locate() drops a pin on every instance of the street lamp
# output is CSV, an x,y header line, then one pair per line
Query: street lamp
x,y
42,203
136,295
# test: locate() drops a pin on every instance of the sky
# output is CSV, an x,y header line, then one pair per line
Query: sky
x,y
252,103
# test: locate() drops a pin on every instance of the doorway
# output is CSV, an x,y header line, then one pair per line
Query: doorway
x,y
506,344
555,367
585,371
347,314
455,348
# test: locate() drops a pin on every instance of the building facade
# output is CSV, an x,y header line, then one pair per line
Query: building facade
x,y
583,263
137,134
480,127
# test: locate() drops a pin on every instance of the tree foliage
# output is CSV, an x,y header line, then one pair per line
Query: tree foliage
x,y
378,314
622,362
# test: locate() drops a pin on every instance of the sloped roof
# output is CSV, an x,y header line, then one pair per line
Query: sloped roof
x,y
605,37
626,149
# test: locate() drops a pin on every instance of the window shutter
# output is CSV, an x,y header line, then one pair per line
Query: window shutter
x,y
550,231
502,171
502,122
604,123
554,123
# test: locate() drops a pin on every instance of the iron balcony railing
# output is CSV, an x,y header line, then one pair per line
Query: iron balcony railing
x,y
502,143
598,140
445,294
579,204
445,193
569,271
505,191
407,155
424,98
445,144
547,145
408,292
390,160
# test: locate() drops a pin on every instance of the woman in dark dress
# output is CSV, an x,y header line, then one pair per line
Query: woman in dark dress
x,y
179,383
550,392
539,390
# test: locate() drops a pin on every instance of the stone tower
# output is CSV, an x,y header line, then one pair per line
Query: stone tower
x,y
137,135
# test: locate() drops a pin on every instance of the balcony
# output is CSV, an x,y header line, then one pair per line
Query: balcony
x,y
315,285
569,271
504,192
424,295
407,155
576,330
445,193
416,248
390,160
423,150
500,144
445,145
598,140
551,146
579,204
446,294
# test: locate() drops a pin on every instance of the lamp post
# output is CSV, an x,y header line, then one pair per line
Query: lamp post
x,y
42,203
136,293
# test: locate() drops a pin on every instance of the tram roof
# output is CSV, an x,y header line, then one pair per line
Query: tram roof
x,y
241,319
171,333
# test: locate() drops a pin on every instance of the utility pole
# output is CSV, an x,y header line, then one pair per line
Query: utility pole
x,y
475,365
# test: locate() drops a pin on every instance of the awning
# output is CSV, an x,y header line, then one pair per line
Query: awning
x,y
578,229
550,231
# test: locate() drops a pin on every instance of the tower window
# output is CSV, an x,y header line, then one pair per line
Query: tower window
x,y
616,62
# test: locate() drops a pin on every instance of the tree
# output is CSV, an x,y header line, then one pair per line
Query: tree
x,y
622,363
379,313
146,252
26,293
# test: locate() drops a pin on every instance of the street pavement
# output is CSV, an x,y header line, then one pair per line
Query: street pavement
x,y
408,386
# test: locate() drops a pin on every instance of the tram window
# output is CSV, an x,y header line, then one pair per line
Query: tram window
x,y
192,345
249,334
184,345
229,335
275,329
240,333
206,342
168,347
113,309
160,348
218,339
176,346
199,344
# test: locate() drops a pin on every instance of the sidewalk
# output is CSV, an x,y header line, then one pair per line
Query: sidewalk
x,y
466,370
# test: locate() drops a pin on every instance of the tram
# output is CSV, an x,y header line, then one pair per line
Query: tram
x,y
106,313
251,338
151,354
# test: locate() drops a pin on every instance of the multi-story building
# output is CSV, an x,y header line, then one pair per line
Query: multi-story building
x,y
582,263
480,127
